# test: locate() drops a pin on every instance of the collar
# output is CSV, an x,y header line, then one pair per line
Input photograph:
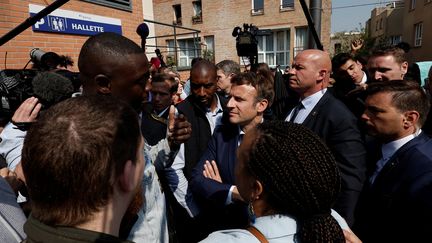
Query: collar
x,y
39,232
162,112
310,101
390,148
277,225
218,106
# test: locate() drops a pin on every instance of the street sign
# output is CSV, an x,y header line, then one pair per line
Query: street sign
x,y
71,22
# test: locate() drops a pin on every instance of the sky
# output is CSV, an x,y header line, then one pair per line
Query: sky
x,y
347,19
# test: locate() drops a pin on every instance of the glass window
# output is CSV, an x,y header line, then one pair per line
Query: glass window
x,y
418,34
301,39
257,7
258,4
412,5
177,14
274,49
287,4
120,4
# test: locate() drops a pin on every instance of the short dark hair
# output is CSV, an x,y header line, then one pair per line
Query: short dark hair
x,y
71,154
228,67
340,59
300,178
204,64
406,96
162,77
106,46
262,84
397,53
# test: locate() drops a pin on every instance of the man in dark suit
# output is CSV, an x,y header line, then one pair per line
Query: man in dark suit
x,y
332,121
155,113
396,204
212,180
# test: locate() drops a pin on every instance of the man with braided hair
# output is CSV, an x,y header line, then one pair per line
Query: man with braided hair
x,y
290,180
328,117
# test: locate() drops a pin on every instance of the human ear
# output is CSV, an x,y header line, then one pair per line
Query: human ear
x,y
404,67
257,190
411,119
103,83
262,105
127,177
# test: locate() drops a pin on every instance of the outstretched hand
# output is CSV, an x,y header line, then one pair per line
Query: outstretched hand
x,y
211,171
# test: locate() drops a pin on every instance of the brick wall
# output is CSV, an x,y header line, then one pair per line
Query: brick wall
x,y
220,17
12,13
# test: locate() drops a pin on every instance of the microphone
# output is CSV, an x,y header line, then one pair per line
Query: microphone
x,y
143,31
51,88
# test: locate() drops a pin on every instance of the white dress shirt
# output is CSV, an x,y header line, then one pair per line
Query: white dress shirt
x,y
308,104
388,150
174,174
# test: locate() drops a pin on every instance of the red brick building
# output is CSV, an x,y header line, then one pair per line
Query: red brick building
x,y
12,13
216,20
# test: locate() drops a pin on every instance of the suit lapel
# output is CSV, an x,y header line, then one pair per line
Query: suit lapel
x,y
315,111
394,160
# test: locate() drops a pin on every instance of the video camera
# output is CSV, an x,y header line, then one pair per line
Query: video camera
x,y
246,41
16,85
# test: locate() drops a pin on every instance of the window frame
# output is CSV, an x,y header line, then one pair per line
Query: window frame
x,y
412,5
418,34
111,4
257,11
283,7
263,53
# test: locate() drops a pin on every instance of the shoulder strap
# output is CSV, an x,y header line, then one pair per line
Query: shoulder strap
x,y
257,234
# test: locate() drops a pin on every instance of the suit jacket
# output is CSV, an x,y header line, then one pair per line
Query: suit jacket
x,y
201,133
398,206
154,128
212,195
336,125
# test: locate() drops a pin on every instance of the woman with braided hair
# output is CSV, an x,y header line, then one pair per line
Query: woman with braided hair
x,y
290,180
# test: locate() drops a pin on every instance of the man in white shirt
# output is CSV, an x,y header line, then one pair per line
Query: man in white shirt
x,y
396,204
332,121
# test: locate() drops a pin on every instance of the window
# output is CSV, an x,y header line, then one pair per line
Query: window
x,y
301,39
286,4
394,40
418,34
412,4
257,7
187,49
120,4
197,17
208,50
177,14
274,49
377,25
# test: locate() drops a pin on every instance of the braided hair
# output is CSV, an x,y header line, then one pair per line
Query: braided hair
x,y
300,178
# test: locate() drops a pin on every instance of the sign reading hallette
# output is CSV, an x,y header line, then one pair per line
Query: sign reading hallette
x,y
71,22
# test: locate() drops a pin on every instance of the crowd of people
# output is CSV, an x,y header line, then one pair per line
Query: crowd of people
x,y
329,150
